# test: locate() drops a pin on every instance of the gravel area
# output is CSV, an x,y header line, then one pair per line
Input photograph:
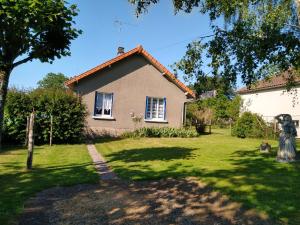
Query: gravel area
x,y
167,201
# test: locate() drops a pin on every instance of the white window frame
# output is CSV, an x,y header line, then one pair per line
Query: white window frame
x,y
102,115
151,119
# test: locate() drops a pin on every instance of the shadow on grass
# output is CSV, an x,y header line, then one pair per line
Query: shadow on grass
x,y
150,154
256,179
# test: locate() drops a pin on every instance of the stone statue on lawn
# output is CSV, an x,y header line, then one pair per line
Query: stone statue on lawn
x,y
287,142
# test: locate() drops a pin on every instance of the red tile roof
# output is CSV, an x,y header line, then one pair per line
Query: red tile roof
x,y
138,50
274,82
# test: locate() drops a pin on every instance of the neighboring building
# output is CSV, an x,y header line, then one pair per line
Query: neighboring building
x,y
208,94
130,91
269,98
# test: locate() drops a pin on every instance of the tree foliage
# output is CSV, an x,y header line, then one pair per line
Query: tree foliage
x,y
259,37
39,29
53,81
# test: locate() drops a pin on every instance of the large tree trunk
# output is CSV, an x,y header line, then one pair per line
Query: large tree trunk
x,y
4,77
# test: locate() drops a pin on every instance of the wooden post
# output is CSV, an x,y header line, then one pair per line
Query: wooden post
x,y
30,141
27,130
51,130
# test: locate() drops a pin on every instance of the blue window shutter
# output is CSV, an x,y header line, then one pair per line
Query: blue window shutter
x,y
95,103
112,103
165,108
146,107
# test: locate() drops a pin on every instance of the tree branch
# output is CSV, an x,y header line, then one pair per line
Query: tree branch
x,y
25,60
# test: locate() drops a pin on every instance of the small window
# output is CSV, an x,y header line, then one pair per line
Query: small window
x,y
155,108
103,104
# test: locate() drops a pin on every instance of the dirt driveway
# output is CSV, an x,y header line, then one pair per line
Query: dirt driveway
x,y
168,201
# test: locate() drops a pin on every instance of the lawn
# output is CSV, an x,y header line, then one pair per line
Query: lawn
x,y
231,165
60,165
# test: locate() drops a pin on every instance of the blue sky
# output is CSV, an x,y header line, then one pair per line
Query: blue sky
x,y
160,32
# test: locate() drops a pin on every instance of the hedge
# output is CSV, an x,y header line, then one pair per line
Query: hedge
x,y
67,110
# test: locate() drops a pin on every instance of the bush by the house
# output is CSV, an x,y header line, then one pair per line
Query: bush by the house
x,y
219,110
249,125
67,111
162,132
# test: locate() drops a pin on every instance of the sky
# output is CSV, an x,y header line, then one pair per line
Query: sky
x,y
108,24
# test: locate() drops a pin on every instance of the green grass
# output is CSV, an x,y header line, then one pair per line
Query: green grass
x,y
231,165
60,165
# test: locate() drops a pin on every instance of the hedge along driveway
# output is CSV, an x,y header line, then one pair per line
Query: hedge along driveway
x,y
60,165
231,165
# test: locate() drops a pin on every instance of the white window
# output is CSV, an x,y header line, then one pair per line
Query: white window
x,y
103,104
155,109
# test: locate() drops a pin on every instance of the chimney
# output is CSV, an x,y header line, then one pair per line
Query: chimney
x,y
120,50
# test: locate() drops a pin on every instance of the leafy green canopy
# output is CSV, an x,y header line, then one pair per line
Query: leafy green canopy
x,y
35,29
259,38
53,81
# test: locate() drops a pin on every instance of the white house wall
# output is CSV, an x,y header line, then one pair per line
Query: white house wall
x,y
269,103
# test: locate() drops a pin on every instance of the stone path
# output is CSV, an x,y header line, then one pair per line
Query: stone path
x,y
102,168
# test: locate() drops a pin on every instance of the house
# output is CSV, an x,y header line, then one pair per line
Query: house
x,y
130,91
269,98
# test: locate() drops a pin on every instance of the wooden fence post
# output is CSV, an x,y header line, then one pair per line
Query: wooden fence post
x,y
30,141
51,130
27,130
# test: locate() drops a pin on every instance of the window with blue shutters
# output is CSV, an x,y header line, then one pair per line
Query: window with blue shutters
x,y
155,109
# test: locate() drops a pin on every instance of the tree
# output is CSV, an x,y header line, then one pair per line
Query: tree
x,y
32,29
259,38
53,81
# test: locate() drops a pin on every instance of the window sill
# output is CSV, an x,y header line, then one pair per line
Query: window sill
x,y
103,118
155,121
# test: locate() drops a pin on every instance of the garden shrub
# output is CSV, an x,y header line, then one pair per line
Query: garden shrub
x,y
219,110
162,132
249,125
67,110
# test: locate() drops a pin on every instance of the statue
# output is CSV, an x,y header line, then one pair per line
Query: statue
x,y
287,142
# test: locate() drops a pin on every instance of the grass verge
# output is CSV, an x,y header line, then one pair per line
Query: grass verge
x,y
60,165
231,165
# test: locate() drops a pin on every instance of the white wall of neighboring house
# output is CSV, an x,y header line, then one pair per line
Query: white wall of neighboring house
x,y
269,103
